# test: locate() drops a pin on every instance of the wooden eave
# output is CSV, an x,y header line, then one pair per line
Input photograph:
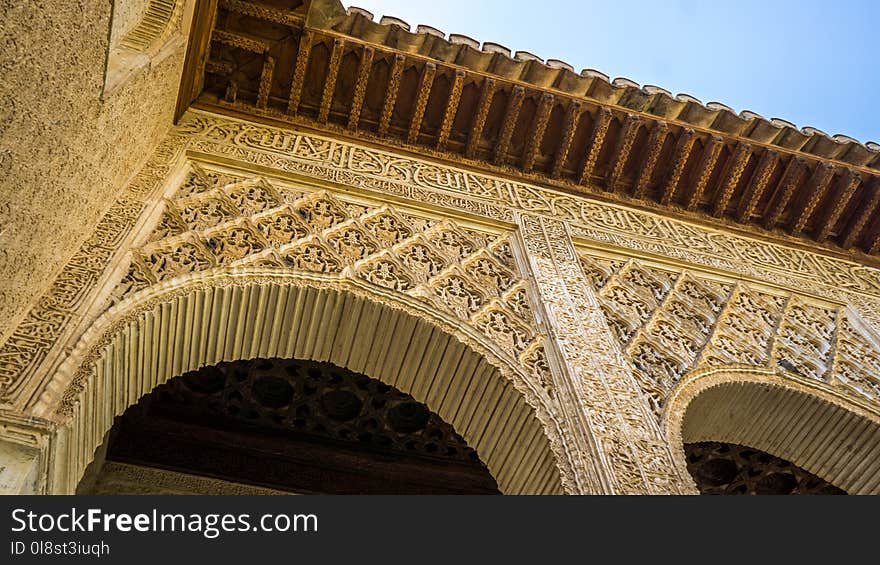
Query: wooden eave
x,y
314,64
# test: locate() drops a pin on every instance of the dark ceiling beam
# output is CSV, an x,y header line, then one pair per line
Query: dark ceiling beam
x,y
487,92
706,167
851,181
572,115
794,172
451,108
426,82
683,147
219,67
867,211
597,140
536,135
391,92
262,12
299,72
817,187
365,65
622,151
511,114
656,140
231,94
757,185
265,81
330,81
731,176
875,244
240,42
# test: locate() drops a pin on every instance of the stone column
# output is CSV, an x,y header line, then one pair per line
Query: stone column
x,y
23,454
624,448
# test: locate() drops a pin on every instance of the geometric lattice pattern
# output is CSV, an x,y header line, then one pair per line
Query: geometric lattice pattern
x,y
670,322
316,399
216,220
292,426
725,468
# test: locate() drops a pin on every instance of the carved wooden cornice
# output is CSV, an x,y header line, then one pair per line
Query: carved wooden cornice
x,y
317,64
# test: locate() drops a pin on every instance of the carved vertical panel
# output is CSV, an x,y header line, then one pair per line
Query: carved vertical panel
x,y
628,453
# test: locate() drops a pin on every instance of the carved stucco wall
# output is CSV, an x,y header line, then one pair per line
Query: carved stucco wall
x,y
221,221
670,321
64,151
621,447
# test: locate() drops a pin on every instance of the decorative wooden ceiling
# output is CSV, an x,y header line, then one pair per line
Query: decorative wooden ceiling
x,y
312,63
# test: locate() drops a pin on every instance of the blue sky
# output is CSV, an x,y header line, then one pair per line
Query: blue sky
x,y
810,62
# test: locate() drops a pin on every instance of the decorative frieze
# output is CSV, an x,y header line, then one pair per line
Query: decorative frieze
x,y
344,163
603,338
33,345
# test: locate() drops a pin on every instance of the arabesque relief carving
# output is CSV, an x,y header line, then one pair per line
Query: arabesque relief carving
x,y
384,172
217,220
614,319
25,356
672,321
348,164
638,460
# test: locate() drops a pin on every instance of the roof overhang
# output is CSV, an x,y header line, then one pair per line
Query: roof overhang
x,y
314,64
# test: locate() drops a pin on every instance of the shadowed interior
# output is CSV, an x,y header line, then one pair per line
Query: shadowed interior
x,y
295,426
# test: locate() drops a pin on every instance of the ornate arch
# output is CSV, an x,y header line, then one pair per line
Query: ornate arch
x,y
812,424
232,313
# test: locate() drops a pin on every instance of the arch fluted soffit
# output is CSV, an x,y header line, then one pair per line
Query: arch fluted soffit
x,y
810,423
229,314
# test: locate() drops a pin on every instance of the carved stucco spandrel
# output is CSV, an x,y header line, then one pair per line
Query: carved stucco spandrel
x,y
215,221
670,321
247,221
93,370
349,164
624,450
